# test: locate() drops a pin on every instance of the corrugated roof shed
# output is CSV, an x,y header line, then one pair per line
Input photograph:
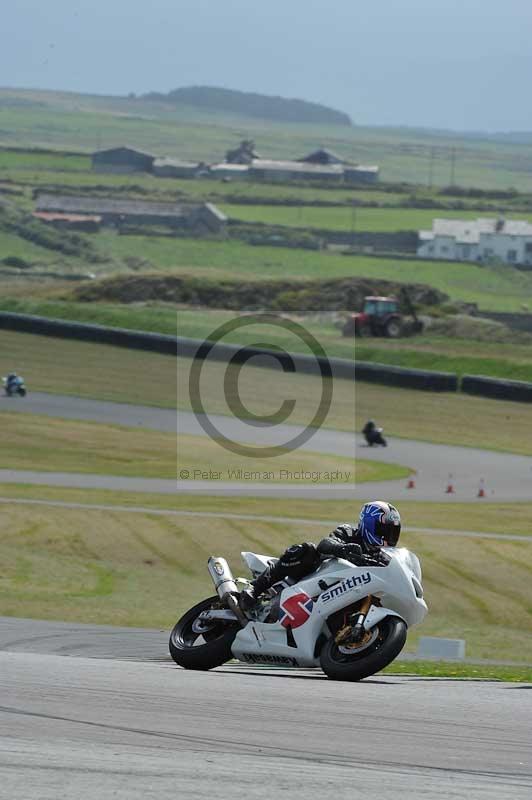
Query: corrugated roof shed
x,y
175,162
54,216
216,212
297,167
110,151
323,156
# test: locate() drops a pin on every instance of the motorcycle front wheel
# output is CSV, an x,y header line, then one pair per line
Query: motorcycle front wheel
x,y
195,644
356,661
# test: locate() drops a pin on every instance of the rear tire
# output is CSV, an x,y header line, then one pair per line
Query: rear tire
x,y
389,642
217,640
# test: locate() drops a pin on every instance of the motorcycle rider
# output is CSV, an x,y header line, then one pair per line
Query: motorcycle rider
x,y
12,382
372,433
379,525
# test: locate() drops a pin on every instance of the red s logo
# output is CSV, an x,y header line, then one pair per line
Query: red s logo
x,y
296,610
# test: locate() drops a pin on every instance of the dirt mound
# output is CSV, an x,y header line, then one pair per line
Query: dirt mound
x,y
339,294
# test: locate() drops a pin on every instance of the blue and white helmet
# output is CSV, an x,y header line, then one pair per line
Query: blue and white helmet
x,y
379,524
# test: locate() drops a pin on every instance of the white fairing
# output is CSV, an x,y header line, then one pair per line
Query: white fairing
x,y
336,584
256,563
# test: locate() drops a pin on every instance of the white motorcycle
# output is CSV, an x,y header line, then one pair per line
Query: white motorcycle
x,y
349,619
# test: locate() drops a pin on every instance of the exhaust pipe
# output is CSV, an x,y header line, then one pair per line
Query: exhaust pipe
x,y
223,580
222,577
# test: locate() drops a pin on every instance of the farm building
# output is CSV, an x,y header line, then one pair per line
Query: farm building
x,y
122,160
76,222
483,239
353,173
204,217
225,170
263,169
173,168
243,154
360,174
322,156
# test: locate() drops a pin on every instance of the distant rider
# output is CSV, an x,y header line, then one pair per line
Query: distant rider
x,y
379,525
13,382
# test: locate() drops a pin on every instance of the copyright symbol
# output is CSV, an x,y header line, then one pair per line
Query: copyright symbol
x,y
236,362
184,474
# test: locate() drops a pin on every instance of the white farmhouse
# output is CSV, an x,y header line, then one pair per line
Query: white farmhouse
x,y
484,239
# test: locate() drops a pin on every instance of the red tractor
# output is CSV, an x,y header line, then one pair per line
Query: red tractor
x,y
381,317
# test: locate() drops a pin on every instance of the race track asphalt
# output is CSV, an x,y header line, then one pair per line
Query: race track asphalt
x,y
506,477
104,713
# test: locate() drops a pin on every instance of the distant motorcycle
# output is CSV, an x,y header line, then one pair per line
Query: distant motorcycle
x,y
373,434
13,385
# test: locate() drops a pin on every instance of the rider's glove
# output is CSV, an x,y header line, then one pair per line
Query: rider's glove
x,y
353,552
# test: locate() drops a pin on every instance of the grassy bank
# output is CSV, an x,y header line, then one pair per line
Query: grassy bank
x,y
145,569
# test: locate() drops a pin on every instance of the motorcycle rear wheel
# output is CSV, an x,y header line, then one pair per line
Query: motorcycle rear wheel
x,y
385,646
217,637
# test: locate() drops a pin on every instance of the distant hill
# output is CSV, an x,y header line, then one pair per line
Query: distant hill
x,y
278,109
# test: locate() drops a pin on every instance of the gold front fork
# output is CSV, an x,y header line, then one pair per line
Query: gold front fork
x,y
347,630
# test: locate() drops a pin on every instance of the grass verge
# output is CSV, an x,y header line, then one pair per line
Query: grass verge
x,y
36,442
455,670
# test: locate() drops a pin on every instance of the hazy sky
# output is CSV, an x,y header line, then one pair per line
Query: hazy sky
x,y
463,64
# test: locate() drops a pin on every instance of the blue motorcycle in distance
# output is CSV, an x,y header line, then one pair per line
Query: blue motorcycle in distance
x,y
14,385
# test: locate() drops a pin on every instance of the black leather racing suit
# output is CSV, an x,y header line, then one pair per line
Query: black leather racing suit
x,y
301,559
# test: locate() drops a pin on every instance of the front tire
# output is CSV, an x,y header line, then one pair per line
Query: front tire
x,y
388,639
194,645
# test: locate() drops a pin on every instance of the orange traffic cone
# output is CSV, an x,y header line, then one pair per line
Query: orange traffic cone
x,y
481,490
450,487
411,481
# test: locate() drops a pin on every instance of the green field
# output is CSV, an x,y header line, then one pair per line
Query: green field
x,y
383,220
87,123
492,288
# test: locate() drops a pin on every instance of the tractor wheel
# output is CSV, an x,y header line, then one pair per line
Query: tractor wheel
x,y
393,328
363,330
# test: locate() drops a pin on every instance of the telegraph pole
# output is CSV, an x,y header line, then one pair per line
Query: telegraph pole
x,y
431,165
453,165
